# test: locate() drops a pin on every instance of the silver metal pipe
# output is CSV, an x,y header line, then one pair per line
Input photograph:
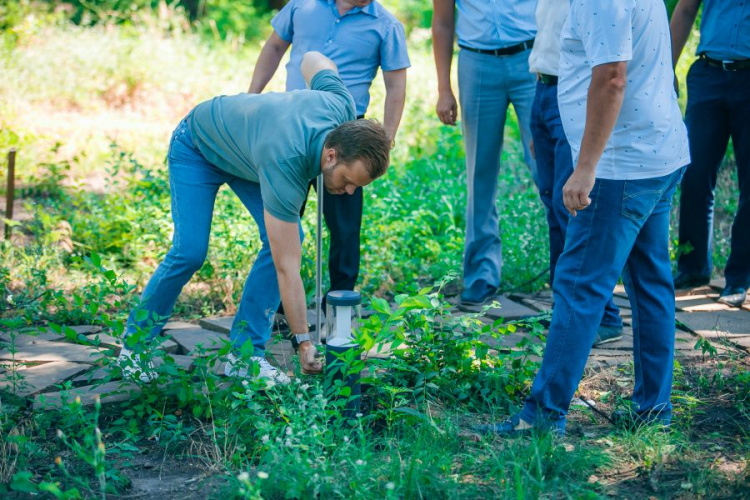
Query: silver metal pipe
x,y
319,262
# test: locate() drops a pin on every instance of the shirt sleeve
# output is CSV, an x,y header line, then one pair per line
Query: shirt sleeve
x,y
328,81
282,190
393,52
606,30
283,22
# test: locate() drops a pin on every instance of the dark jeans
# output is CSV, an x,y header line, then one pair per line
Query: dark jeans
x,y
624,231
718,108
343,216
554,164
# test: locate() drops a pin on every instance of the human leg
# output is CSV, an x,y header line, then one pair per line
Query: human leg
x,y
484,105
737,272
193,186
708,132
260,295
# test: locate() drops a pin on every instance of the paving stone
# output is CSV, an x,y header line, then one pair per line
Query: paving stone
x,y
508,310
54,351
622,302
624,344
606,361
686,302
40,377
111,392
86,329
701,290
221,324
24,339
179,325
731,324
620,291
190,339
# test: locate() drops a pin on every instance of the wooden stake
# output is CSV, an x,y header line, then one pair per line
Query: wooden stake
x,y
10,195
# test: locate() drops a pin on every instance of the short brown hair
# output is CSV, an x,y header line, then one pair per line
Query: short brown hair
x,y
363,140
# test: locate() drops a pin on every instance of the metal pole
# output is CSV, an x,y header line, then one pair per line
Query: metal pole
x,y
10,195
319,261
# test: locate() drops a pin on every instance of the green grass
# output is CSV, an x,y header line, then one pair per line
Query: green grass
x,y
91,109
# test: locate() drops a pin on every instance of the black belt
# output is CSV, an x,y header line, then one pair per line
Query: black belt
x,y
726,65
547,79
505,51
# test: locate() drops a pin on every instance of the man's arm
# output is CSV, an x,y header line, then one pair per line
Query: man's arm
x,y
395,96
443,28
683,18
268,62
603,106
313,63
286,250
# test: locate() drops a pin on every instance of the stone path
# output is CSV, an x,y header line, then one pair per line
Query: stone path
x,y
34,364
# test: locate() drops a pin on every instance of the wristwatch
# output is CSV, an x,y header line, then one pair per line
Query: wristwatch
x,y
298,338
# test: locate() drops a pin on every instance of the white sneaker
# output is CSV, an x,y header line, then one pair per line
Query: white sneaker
x,y
235,367
134,367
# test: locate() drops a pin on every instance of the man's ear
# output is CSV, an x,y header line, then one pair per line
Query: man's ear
x,y
330,156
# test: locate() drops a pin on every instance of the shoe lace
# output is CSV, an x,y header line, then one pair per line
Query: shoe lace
x,y
265,365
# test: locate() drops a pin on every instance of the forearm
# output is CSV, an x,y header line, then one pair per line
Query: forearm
x,y
395,97
443,28
266,66
605,97
682,22
442,49
294,300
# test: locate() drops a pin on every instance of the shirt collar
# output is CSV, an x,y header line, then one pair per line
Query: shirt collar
x,y
369,9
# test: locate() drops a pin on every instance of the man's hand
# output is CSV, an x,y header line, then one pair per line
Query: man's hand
x,y
314,62
576,191
447,108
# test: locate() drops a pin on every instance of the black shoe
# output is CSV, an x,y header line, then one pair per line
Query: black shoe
x,y
682,281
733,296
478,294
606,334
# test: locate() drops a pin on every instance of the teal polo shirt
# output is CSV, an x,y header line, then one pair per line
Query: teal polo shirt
x,y
274,139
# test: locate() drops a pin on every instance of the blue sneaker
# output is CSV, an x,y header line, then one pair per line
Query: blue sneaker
x,y
607,334
514,426
478,294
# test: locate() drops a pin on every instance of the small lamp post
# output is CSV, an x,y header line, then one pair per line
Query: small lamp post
x,y
342,310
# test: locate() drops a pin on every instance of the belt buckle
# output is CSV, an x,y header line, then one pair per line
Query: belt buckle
x,y
725,67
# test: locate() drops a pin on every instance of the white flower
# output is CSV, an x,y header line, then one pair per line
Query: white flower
x,y
360,462
346,439
262,475
304,387
288,431
390,486
244,477
358,415
264,439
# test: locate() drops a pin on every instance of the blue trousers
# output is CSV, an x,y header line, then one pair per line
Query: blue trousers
x,y
624,231
554,165
193,183
718,108
487,86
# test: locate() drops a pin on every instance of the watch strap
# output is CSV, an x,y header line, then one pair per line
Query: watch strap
x,y
298,338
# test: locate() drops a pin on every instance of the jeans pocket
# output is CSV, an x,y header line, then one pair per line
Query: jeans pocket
x,y
640,196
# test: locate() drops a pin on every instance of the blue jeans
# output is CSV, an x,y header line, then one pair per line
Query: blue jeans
x,y
624,231
487,86
554,165
718,107
193,183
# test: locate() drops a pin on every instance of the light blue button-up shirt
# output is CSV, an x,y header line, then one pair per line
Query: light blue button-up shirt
x,y
495,24
358,42
725,29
